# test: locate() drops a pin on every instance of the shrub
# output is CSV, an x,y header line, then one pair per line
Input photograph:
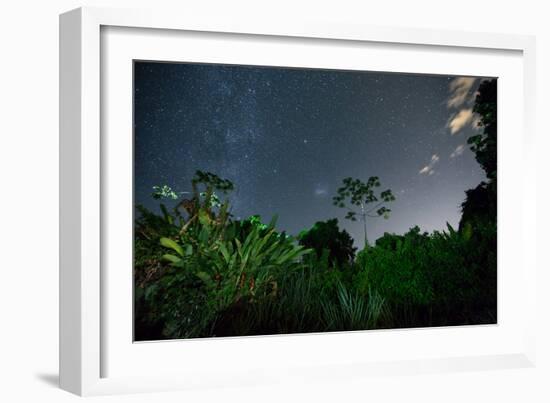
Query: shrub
x,y
445,278
213,273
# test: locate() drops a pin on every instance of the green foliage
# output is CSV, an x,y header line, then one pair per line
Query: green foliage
x,y
352,310
228,271
212,181
392,268
164,192
293,308
326,236
449,277
148,268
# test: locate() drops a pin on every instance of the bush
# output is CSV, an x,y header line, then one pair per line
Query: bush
x,y
446,278
212,272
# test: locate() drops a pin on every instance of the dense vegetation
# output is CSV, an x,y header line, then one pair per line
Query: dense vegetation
x,y
199,272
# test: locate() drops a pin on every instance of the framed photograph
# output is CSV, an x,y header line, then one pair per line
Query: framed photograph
x,y
247,202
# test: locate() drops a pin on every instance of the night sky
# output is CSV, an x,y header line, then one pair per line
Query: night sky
x,y
287,137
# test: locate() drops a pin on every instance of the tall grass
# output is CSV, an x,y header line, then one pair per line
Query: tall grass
x,y
353,311
293,308
303,307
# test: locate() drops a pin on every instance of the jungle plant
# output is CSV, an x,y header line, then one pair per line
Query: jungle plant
x,y
442,278
231,271
164,192
205,187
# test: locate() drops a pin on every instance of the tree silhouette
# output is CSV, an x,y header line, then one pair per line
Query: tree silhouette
x,y
362,194
480,205
484,145
325,235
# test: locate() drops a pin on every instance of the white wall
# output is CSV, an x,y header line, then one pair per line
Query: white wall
x,y
29,187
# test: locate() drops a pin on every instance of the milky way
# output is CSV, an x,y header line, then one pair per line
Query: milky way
x,y
287,138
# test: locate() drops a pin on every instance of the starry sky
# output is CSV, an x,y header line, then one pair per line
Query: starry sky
x,y
287,137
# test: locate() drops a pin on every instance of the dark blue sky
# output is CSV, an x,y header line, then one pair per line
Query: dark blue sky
x,y
287,138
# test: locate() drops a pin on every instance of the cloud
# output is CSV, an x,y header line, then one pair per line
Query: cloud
x,y
459,120
424,170
460,89
429,169
459,150
462,95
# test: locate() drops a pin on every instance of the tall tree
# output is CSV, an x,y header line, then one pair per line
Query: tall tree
x,y
357,194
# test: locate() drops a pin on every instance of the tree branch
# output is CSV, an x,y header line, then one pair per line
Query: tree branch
x,y
378,205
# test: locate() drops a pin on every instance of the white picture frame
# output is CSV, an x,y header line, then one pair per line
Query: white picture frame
x,y
88,332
